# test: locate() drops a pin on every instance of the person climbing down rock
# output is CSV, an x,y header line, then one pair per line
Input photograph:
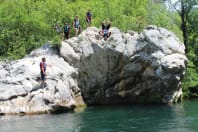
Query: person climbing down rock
x,y
76,25
66,29
88,17
43,67
105,29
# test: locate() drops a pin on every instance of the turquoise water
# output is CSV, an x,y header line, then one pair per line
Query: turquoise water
x,y
134,118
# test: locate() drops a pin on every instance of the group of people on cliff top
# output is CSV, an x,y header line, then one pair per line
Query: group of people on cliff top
x,y
77,28
66,34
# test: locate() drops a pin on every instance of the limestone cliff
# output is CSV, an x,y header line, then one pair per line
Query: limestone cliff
x,y
127,68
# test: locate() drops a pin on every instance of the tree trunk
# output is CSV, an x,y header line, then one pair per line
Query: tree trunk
x,y
185,34
184,27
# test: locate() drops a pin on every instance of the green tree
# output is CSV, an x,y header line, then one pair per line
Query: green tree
x,y
184,8
27,24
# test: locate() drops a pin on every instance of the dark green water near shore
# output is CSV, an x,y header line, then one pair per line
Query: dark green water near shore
x,y
181,117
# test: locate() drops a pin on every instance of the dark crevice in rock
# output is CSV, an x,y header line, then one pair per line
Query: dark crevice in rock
x,y
14,97
2,114
61,109
47,101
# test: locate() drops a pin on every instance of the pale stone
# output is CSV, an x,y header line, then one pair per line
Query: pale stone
x,y
127,68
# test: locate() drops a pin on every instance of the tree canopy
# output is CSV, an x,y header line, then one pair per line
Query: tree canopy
x,y
27,24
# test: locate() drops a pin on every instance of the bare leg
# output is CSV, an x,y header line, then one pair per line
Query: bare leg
x,y
89,22
76,32
63,36
101,33
79,29
109,34
105,37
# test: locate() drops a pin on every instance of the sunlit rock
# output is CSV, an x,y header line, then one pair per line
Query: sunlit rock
x,y
127,68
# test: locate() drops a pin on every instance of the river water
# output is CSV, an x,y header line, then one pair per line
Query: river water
x,y
134,118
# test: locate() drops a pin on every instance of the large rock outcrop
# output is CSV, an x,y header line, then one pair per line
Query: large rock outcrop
x,y
127,68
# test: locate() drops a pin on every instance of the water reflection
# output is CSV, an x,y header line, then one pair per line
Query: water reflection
x,y
137,118
191,114
149,118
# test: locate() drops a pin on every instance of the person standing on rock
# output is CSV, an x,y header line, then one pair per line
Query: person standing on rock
x,y
43,67
76,25
66,30
105,29
88,17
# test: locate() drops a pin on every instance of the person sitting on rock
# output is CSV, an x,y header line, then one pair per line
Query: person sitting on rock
x,y
66,30
105,29
43,67
76,25
88,17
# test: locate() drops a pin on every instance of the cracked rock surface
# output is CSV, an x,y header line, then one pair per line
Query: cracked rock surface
x,y
127,68
20,89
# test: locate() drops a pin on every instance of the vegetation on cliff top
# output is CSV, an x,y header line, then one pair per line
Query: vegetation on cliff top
x,y
27,24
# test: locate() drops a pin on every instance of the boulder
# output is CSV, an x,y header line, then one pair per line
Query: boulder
x,y
20,89
127,68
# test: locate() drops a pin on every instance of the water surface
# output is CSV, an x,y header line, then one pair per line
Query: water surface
x,y
134,118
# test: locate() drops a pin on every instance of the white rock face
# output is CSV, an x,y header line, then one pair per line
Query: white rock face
x,y
127,68
20,90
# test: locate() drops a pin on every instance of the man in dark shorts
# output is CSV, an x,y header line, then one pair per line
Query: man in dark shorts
x,y
66,30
